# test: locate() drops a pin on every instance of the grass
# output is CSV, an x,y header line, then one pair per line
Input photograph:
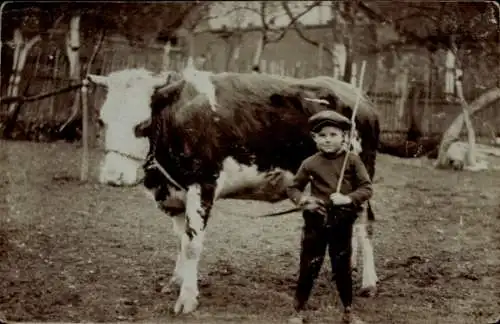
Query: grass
x,y
72,251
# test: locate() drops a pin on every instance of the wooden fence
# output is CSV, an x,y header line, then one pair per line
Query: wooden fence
x,y
46,69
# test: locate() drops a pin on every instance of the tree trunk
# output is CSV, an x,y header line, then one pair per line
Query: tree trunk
x,y
235,53
403,90
73,51
338,60
20,57
414,131
166,56
453,132
348,59
348,10
19,61
229,53
470,158
258,53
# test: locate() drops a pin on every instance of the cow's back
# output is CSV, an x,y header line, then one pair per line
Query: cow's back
x,y
250,143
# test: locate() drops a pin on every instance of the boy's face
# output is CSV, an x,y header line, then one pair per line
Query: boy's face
x,y
329,139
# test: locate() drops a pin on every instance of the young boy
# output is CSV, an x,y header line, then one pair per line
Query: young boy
x,y
329,216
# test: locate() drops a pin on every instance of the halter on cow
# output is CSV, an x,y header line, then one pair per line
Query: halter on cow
x,y
243,140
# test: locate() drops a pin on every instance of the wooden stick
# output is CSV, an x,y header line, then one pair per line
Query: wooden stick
x,y
353,125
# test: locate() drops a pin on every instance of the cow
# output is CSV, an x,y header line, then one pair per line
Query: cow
x,y
210,136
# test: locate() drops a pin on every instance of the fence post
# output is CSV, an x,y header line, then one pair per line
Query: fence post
x,y
354,72
320,58
54,82
85,132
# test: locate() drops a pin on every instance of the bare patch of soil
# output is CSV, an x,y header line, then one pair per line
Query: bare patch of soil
x,y
71,251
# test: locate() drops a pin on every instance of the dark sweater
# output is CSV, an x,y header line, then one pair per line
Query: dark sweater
x,y
323,171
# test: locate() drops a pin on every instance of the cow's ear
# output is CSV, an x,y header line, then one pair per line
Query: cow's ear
x,y
143,129
165,95
169,90
284,100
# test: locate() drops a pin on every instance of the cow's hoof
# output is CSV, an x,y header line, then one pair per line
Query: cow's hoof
x,y
369,291
187,302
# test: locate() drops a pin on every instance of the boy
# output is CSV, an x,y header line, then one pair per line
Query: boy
x,y
329,216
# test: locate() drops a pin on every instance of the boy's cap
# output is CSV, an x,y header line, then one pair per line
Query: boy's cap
x,y
330,118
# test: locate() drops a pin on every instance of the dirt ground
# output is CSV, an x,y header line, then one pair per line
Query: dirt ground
x,y
85,252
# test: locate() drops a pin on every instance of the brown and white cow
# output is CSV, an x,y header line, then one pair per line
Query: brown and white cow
x,y
209,136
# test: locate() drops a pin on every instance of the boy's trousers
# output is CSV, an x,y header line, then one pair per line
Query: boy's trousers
x,y
318,234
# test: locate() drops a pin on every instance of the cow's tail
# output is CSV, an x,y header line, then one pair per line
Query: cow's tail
x,y
371,171
369,211
371,218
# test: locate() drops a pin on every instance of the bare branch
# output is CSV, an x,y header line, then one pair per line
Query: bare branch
x,y
97,47
420,15
429,7
265,26
300,31
293,20
226,13
372,14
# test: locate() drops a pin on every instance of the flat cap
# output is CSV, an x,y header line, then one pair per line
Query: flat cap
x,y
330,118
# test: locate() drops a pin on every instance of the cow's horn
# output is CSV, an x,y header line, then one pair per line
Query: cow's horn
x,y
162,80
171,88
98,79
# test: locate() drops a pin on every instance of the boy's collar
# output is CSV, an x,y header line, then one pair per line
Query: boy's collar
x,y
332,155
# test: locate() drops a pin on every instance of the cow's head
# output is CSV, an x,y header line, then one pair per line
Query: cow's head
x,y
125,116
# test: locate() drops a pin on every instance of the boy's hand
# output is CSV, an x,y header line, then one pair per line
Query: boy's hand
x,y
339,199
304,200
312,204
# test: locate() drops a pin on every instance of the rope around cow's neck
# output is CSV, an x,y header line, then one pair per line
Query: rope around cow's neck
x,y
152,162
353,126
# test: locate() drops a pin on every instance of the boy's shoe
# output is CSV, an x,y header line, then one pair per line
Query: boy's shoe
x,y
347,316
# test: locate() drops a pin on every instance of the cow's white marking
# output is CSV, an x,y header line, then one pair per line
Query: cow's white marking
x,y
235,176
360,238
119,170
202,83
126,106
179,226
370,278
191,248
356,143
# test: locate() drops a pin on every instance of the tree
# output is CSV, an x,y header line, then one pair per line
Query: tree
x,y
266,16
346,17
459,29
138,22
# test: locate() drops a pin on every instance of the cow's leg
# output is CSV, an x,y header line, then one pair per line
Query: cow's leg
x,y
179,225
369,281
198,204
